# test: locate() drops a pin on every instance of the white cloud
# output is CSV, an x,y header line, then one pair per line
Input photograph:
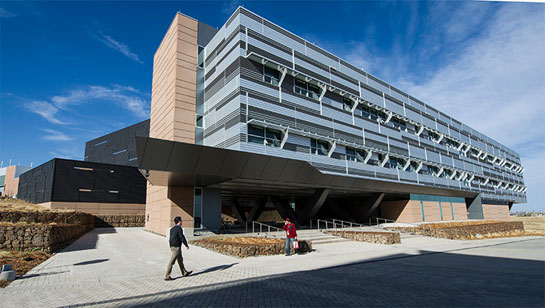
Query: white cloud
x,y
5,13
490,75
47,110
54,135
116,45
229,7
126,97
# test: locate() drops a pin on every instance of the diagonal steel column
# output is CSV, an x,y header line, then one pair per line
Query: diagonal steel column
x,y
257,209
284,210
314,204
237,210
370,206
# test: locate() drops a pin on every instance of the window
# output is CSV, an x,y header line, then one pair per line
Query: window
x,y
396,163
319,147
197,208
313,91
355,155
267,136
300,87
433,136
199,120
350,154
347,104
271,76
256,134
273,137
365,112
200,57
399,124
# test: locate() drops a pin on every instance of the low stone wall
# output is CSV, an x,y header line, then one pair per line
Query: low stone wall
x,y
108,221
48,238
46,217
385,238
460,231
243,250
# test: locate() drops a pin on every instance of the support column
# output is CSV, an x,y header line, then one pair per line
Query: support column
x,y
369,206
257,209
239,213
284,210
314,204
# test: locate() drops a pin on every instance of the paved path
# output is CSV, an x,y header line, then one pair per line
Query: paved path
x,y
125,267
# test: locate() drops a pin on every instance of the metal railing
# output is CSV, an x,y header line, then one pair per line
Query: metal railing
x,y
262,226
333,224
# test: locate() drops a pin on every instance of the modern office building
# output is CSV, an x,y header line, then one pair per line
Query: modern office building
x,y
106,183
9,179
95,188
118,147
252,116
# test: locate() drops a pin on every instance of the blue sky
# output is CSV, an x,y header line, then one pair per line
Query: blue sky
x,y
73,71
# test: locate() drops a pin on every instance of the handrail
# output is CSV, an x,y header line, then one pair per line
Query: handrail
x,y
261,225
351,224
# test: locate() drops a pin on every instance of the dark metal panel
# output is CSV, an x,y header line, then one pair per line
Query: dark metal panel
x,y
273,169
254,166
210,161
183,158
234,164
290,171
157,154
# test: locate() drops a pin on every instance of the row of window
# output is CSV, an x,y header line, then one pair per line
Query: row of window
x,y
301,87
272,137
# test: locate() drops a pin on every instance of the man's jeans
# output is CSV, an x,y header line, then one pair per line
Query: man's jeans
x,y
289,240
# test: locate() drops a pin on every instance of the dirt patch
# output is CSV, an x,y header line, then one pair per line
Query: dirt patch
x,y
249,246
22,261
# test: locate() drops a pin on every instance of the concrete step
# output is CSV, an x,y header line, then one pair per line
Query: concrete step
x,y
330,240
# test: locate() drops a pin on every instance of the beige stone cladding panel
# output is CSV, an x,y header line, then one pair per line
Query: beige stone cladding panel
x,y
447,211
182,204
402,211
174,83
155,200
496,211
97,208
431,211
460,211
11,184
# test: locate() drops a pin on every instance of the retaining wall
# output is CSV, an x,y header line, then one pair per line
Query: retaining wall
x,y
48,238
385,238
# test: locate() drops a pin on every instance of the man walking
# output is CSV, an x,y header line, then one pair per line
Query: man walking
x,y
291,235
176,239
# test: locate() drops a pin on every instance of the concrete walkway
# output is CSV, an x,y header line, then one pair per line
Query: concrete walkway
x,y
125,267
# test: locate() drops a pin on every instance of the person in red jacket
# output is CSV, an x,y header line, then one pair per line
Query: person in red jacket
x,y
291,235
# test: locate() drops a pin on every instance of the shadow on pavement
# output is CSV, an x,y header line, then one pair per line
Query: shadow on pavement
x,y
92,262
429,279
88,240
40,274
215,268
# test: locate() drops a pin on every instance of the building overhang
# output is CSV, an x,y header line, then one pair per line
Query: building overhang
x,y
170,163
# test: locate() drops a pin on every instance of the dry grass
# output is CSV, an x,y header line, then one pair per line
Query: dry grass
x,y
22,261
460,223
536,224
242,240
10,204
517,233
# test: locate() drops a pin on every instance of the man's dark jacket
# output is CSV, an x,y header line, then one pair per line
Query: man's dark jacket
x,y
177,237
